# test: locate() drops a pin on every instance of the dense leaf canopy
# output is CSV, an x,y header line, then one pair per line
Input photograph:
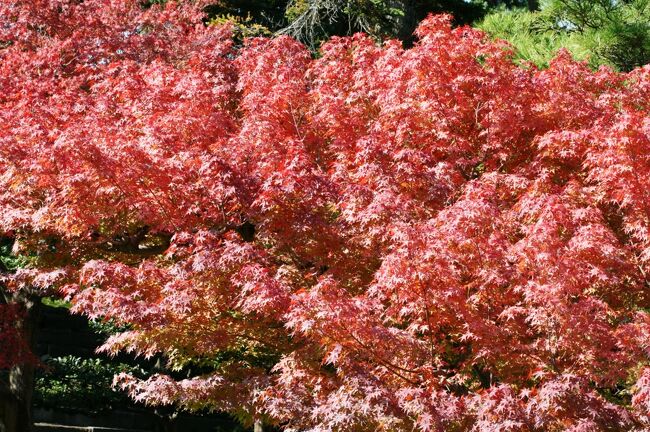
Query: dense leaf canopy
x,y
377,239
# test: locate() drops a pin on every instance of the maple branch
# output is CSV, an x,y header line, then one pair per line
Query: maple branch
x,y
388,365
160,206
391,367
295,123
133,243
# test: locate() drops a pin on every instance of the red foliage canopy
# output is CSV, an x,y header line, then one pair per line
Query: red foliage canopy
x,y
378,239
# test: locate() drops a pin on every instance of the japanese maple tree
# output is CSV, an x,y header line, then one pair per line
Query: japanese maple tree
x,y
379,238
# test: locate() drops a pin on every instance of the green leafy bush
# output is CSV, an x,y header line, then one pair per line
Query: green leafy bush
x,y
77,384
616,34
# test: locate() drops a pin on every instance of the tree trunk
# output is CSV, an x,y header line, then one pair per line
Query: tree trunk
x,y
406,23
7,410
533,5
257,426
18,400
21,386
